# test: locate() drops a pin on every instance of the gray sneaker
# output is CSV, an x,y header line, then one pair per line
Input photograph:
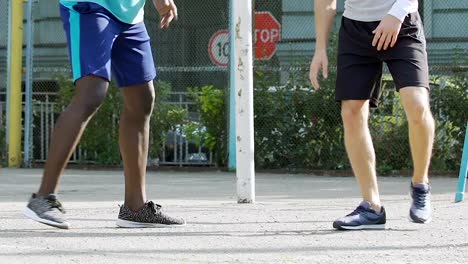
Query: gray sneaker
x,y
47,210
148,216
420,211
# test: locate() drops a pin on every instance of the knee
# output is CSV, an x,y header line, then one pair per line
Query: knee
x,y
416,104
354,112
147,104
88,105
419,113
144,107
91,93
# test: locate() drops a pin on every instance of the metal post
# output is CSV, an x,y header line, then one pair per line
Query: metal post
x,y
15,48
243,60
28,88
232,95
463,171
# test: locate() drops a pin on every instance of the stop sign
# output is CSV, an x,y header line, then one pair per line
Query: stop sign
x,y
267,33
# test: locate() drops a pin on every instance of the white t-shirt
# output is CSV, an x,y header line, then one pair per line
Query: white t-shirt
x,y
375,10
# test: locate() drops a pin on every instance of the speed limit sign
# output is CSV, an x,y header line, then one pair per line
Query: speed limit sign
x,y
218,48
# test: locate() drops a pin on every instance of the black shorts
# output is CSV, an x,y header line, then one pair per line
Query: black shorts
x,y
359,68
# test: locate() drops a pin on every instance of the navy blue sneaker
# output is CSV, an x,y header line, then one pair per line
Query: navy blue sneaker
x,y
363,217
420,211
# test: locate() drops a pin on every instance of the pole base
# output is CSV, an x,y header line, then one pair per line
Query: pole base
x,y
459,196
245,201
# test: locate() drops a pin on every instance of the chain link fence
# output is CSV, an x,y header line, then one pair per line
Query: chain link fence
x,y
300,129
184,69
296,127
185,63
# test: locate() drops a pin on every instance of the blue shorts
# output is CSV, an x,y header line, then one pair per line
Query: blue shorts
x,y
100,44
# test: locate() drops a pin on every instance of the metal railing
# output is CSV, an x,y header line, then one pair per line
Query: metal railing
x,y
177,149
3,140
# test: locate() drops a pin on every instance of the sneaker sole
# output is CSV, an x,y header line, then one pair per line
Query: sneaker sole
x,y
418,221
131,224
32,215
361,227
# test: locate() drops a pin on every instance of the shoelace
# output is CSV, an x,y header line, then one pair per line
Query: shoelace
x,y
54,203
154,207
420,197
357,211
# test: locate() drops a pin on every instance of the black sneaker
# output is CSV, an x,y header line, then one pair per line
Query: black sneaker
x,y
420,211
47,210
148,216
363,217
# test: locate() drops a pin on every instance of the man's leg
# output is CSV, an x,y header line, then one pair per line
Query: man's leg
x,y
90,93
134,140
415,101
370,214
358,143
44,206
134,69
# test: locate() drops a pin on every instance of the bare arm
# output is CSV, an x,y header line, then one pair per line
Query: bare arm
x,y
325,11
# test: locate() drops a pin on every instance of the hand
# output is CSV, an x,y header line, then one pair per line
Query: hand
x,y
319,61
386,33
167,11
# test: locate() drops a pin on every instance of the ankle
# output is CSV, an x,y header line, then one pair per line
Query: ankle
x,y
376,207
135,207
424,181
43,194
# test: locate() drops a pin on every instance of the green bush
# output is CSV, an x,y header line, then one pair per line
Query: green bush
x,y
295,126
450,108
389,130
166,117
299,128
100,139
211,131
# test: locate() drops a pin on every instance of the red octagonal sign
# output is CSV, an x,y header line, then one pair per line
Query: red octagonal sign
x,y
267,33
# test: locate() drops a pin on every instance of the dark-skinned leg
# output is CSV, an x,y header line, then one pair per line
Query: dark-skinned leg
x,y
134,140
90,93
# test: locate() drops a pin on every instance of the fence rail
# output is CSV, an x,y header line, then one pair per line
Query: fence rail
x,y
45,113
296,128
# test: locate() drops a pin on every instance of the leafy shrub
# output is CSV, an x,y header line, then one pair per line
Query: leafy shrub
x,y
166,117
100,139
211,131
450,108
299,128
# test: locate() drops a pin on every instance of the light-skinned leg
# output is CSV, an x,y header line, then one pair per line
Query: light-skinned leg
x,y
134,140
361,154
415,101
